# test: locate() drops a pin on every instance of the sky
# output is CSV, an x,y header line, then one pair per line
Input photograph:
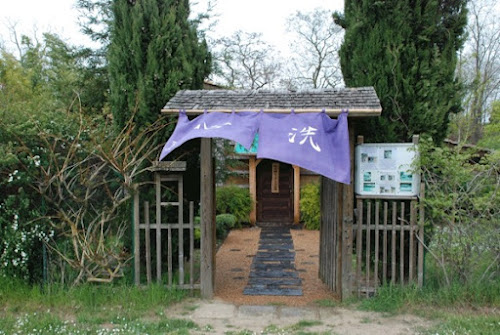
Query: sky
x,y
61,17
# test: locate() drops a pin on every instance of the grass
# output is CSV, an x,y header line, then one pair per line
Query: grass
x,y
394,298
87,309
467,325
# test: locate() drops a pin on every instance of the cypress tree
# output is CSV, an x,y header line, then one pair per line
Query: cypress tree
x,y
407,50
154,51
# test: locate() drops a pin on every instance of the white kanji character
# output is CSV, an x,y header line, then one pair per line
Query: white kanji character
x,y
291,136
308,133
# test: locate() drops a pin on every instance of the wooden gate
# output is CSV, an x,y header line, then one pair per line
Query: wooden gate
x,y
165,226
389,236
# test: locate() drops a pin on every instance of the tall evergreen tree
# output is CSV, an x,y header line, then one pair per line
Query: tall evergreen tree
x,y
407,50
154,51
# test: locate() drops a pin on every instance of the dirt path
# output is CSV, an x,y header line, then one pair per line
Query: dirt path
x,y
231,312
218,317
234,259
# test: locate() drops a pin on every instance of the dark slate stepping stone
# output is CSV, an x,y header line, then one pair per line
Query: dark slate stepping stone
x,y
273,291
274,274
273,268
238,278
236,270
234,249
274,281
307,263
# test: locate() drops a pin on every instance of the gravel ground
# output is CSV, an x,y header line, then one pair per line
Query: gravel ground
x,y
234,259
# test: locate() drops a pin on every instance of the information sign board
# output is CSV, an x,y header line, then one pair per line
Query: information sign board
x,y
386,169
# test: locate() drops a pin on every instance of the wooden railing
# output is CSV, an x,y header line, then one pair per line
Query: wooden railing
x,y
388,242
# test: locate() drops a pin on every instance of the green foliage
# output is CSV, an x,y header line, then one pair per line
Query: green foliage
x,y
224,223
154,51
462,212
407,50
395,298
491,131
310,211
29,309
466,324
234,200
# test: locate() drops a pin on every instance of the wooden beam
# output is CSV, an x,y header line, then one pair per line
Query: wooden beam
x,y
296,194
360,112
207,271
347,222
252,183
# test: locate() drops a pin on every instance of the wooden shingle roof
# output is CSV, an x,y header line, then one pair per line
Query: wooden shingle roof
x,y
361,101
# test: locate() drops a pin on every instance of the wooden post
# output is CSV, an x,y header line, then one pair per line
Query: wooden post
x,y
296,194
402,244
252,184
377,217
137,259
347,222
147,238
421,221
191,244
384,245
158,227
207,271
180,220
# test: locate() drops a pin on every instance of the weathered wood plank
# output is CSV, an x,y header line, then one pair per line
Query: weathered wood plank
x,y
147,238
158,231
393,243
359,244
421,237
402,245
169,258
181,230
191,244
411,256
384,245
377,212
296,194
368,243
252,184
137,237
207,271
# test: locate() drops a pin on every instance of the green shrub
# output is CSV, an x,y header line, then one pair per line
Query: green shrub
x,y
310,206
234,200
224,222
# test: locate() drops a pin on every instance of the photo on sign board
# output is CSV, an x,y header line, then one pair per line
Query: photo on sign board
x,y
405,187
369,187
405,176
367,176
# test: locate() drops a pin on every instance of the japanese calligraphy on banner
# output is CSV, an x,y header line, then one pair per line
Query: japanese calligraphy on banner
x,y
238,127
310,140
313,141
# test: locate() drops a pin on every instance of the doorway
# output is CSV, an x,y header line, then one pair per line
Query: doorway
x,y
274,193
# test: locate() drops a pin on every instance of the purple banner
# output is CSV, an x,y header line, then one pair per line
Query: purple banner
x,y
238,127
310,140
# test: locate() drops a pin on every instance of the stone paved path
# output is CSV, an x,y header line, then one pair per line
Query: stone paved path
x,y
273,268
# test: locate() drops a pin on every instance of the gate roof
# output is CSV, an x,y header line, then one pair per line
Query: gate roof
x,y
360,101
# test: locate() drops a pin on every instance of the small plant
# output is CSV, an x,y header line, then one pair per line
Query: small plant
x,y
310,206
224,223
234,200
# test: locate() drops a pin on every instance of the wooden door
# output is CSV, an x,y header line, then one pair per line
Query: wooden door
x,y
274,192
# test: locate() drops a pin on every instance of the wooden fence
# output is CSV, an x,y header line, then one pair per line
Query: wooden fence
x,y
144,229
388,248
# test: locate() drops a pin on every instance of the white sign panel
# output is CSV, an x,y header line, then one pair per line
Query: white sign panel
x,y
386,169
